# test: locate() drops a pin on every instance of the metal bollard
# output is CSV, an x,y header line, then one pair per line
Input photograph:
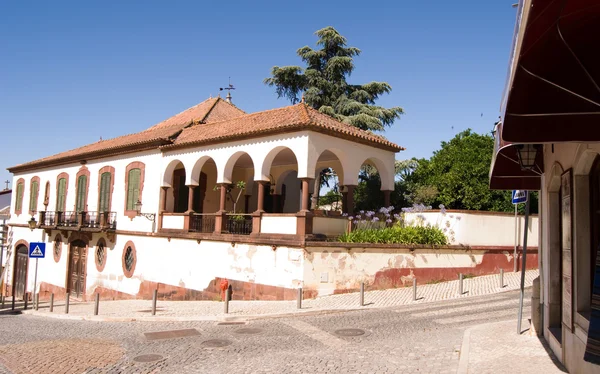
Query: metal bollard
x,y
362,293
3,298
460,284
414,289
13,301
51,302
37,301
227,297
154,297
26,300
97,304
299,299
67,303
501,278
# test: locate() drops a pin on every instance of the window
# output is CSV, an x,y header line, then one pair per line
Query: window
x,y
62,183
34,194
47,194
83,176
100,255
57,247
104,194
133,188
129,259
81,193
19,197
134,185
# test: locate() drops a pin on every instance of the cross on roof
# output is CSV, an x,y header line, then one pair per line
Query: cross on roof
x,y
7,182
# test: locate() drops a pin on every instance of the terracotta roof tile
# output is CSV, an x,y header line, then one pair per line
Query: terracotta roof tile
x,y
161,133
295,117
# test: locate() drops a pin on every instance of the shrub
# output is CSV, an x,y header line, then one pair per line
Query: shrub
x,y
397,235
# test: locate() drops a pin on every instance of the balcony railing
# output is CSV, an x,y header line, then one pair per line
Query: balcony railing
x,y
240,224
204,223
92,220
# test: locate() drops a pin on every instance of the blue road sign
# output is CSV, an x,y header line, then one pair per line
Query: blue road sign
x,y
519,196
37,250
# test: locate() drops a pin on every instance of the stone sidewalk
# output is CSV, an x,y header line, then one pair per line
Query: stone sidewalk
x,y
140,310
496,348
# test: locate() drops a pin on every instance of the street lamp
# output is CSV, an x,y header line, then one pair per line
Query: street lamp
x,y
32,223
527,154
148,216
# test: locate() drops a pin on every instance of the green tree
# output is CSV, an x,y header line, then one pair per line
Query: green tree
x,y
459,172
323,83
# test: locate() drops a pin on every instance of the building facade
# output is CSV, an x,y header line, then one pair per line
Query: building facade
x,y
548,140
209,194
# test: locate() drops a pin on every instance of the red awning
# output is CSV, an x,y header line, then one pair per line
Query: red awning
x,y
506,172
553,92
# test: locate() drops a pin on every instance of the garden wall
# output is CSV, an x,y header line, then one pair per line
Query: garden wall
x,y
332,268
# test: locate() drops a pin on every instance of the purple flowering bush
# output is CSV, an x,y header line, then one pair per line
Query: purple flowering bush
x,y
386,227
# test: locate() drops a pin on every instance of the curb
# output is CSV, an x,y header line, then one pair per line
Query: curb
x,y
243,318
463,362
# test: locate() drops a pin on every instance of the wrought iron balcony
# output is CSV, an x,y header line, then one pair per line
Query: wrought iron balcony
x,y
240,224
204,223
94,221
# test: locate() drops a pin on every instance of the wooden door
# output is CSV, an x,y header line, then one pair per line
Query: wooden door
x,y
20,275
77,267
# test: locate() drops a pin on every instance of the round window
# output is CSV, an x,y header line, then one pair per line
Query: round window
x,y
57,250
100,255
129,259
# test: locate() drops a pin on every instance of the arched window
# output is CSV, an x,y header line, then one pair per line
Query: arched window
x,y
62,183
83,176
104,194
133,188
81,193
34,191
19,196
47,194
134,185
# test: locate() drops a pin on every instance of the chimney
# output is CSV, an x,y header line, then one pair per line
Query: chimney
x,y
228,98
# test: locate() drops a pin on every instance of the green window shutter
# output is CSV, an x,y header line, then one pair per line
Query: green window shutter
x,y
60,195
19,204
33,195
104,192
133,188
81,193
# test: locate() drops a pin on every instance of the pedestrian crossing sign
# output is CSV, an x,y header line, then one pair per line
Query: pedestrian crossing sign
x,y
37,250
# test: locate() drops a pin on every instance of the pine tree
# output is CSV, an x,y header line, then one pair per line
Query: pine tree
x,y
324,86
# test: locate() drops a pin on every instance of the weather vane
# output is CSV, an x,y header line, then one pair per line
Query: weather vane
x,y
228,88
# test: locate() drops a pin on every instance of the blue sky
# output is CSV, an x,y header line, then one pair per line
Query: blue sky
x,y
72,72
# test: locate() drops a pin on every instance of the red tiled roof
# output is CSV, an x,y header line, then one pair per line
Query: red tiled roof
x,y
214,121
159,134
295,117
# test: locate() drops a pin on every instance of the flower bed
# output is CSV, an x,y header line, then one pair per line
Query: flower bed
x,y
386,227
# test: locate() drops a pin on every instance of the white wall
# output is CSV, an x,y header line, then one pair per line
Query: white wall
x,y
329,225
278,224
150,193
176,262
480,229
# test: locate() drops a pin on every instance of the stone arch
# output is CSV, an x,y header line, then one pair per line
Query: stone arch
x,y
553,183
341,156
386,175
225,174
193,176
167,178
584,159
262,172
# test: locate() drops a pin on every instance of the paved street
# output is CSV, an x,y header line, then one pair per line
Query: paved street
x,y
425,338
210,310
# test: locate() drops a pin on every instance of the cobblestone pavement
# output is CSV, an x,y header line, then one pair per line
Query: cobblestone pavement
x,y
197,310
496,348
425,338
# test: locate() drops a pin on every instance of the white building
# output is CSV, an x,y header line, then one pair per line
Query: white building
x,y
548,140
155,209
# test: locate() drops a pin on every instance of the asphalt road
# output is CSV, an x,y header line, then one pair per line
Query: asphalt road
x,y
423,338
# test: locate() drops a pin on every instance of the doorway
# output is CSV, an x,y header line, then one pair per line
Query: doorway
x,y
77,268
20,273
